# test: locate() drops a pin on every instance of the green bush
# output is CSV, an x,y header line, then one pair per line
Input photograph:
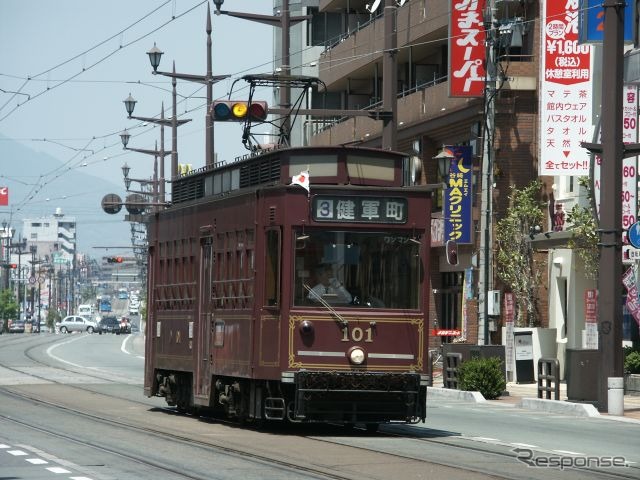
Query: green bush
x,y
485,375
632,362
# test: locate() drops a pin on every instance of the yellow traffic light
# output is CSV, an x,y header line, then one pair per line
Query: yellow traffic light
x,y
238,110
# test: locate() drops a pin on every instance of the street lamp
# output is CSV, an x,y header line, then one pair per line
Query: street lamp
x,y
155,54
125,136
130,104
156,153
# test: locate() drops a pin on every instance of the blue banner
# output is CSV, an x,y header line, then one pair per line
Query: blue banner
x,y
458,220
591,21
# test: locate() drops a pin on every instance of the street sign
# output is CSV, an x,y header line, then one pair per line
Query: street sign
x,y
634,234
32,280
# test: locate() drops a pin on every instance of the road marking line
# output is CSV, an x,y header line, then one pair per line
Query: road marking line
x,y
17,453
58,470
2,445
526,445
36,461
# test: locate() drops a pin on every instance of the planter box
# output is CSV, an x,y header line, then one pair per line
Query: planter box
x,y
632,384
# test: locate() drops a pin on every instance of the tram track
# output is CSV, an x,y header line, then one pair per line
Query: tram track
x,y
400,432
207,447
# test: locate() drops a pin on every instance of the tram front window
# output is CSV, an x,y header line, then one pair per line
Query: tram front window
x,y
364,269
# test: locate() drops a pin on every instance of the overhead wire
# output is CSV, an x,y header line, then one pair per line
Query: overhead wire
x,y
334,62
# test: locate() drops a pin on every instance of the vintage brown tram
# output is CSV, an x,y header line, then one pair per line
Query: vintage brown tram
x,y
240,321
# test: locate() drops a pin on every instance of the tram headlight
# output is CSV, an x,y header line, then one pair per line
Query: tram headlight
x,y
356,355
306,328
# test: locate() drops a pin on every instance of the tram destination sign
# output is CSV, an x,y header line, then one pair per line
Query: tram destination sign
x,y
342,208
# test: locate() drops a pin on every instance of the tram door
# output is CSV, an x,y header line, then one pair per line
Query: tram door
x,y
203,365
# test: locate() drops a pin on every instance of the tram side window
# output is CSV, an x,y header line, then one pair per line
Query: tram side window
x,y
272,268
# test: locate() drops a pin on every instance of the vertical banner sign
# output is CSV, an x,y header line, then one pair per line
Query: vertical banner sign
x,y
633,304
458,196
508,331
629,165
566,87
590,312
4,196
467,49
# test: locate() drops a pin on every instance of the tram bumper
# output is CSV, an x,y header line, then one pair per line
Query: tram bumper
x,y
359,397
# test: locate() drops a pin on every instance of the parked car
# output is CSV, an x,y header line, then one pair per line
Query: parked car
x,y
16,326
76,323
109,324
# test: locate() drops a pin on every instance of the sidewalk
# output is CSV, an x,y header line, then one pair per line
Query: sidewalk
x,y
526,396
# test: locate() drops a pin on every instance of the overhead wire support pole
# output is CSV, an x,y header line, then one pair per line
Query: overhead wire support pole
x,y
610,246
390,75
486,210
285,21
208,80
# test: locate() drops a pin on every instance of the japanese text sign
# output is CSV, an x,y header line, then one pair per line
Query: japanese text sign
x,y
467,49
592,21
566,92
458,199
359,209
4,196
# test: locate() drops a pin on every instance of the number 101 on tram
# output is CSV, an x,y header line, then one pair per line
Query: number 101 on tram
x,y
293,286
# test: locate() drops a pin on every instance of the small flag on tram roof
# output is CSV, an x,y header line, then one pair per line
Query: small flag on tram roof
x,y
301,179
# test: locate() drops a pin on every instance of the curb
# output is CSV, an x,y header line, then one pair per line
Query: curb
x,y
451,394
560,406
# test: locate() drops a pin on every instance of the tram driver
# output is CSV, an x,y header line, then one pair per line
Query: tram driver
x,y
328,288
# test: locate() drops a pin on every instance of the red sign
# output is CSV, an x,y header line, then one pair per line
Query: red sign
x,y
4,196
590,305
453,332
567,61
467,49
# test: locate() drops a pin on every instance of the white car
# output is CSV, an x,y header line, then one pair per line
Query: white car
x,y
76,323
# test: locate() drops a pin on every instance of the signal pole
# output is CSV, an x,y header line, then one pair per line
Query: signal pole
x,y
613,150
284,21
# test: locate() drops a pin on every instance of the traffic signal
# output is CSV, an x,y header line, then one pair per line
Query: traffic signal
x,y
452,252
13,265
238,111
114,259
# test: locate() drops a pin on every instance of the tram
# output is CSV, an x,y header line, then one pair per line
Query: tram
x,y
293,285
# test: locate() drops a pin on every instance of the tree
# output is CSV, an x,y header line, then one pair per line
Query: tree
x,y
515,260
8,308
584,235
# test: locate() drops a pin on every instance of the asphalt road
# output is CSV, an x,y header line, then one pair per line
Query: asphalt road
x,y
76,402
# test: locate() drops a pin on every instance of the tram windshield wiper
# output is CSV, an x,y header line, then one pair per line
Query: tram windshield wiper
x,y
343,322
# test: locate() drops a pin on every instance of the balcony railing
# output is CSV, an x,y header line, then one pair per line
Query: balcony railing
x,y
315,127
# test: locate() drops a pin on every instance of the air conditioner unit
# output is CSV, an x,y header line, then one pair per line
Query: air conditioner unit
x,y
493,301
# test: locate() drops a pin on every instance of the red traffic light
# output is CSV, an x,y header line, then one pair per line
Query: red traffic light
x,y
114,259
13,265
238,111
452,252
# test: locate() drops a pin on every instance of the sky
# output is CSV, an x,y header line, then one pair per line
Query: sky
x,y
67,65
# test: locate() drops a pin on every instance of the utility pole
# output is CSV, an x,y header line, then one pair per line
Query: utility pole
x,y
390,75
485,280
613,150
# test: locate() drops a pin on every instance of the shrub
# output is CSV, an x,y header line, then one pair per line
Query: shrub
x,y
632,362
485,375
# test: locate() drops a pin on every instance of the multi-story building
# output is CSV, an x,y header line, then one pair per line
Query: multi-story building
x,y
344,44
53,235
351,67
